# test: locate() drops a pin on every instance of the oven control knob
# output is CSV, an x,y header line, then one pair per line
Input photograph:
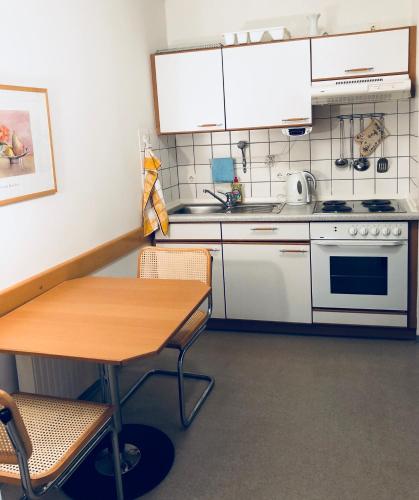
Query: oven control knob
x,y
375,231
386,231
397,231
353,231
363,231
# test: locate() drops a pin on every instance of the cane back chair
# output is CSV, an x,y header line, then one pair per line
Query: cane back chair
x,y
43,440
180,264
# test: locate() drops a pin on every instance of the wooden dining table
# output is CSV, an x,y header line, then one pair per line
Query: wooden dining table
x,y
110,321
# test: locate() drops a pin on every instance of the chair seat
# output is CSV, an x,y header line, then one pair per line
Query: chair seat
x,y
182,337
58,429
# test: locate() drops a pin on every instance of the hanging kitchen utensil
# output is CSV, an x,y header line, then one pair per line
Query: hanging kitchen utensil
x,y
341,162
361,163
355,162
351,140
382,164
243,145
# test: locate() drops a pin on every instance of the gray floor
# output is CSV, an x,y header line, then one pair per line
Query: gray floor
x,y
290,418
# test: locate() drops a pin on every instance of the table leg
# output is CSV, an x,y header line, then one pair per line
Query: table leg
x,y
146,455
130,454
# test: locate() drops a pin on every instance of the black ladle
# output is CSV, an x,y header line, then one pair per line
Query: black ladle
x,y
362,163
341,162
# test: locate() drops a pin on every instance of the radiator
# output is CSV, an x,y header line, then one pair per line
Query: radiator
x,y
55,377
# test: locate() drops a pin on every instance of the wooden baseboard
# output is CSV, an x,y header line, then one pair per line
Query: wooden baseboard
x,y
79,266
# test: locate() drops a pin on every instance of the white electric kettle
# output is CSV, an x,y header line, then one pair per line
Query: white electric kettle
x,y
300,187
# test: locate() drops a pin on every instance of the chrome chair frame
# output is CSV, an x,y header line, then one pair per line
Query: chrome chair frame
x,y
31,493
181,375
186,419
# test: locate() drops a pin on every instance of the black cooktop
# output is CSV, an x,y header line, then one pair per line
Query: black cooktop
x,y
358,206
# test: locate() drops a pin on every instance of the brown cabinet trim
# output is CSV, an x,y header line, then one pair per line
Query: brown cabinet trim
x,y
155,93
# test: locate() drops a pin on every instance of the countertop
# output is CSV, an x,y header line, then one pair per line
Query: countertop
x,y
301,213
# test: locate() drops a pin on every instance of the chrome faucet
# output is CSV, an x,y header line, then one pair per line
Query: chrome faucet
x,y
228,203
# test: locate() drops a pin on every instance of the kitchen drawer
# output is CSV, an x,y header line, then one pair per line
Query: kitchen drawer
x,y
360,318
201,231
278,231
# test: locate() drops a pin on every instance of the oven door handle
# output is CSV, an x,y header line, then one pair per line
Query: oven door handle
x,y
359,243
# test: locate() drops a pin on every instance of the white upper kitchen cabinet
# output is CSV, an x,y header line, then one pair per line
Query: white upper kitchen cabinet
x,y
267,85
360,54
188,91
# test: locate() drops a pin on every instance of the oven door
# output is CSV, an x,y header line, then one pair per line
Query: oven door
x,y
360,274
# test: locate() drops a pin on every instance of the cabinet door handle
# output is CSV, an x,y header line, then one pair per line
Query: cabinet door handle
x,y
294,251
357,70
203,125
213,249
295,119
264,229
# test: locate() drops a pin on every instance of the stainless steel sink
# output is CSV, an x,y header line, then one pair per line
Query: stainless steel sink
x,y
197,209
263,208
266,208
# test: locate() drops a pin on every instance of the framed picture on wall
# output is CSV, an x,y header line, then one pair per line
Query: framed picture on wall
x,y
26,155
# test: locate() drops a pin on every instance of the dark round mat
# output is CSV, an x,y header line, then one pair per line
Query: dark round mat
x,y
157,456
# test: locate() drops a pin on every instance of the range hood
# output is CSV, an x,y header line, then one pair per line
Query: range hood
x,y
352,90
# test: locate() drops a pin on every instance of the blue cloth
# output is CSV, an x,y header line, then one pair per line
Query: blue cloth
x,y
222,169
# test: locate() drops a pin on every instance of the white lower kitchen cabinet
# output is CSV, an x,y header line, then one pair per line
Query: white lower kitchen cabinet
x,y
217,273
268,282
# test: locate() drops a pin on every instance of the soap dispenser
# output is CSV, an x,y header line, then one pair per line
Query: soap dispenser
x,y
237,190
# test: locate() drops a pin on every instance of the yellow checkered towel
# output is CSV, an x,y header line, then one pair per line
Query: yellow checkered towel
x,y
154,208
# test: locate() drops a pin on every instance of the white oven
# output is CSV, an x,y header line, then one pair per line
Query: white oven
x,y
360,266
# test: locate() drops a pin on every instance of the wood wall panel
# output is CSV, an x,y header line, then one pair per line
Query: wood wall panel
x,y
79,266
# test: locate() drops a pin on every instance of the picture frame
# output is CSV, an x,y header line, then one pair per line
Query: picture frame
x,y
27,168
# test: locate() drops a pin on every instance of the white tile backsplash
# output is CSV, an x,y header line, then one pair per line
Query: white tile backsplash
x,y
260,135
300,151
259,151
320,150
184,140
261,174
221,137
221,150
202,138
185,155
203,155
261,190
403,145
189,156
276,135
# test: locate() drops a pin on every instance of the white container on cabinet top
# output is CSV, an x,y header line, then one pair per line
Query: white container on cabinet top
x,y
189,91
360,54
267,85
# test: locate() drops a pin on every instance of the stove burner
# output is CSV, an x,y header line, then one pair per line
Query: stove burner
x,y
334,202
368,203
336,208
381,208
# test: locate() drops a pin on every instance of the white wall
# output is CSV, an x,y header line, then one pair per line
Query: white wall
x,y
198,21
94,59
93,56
